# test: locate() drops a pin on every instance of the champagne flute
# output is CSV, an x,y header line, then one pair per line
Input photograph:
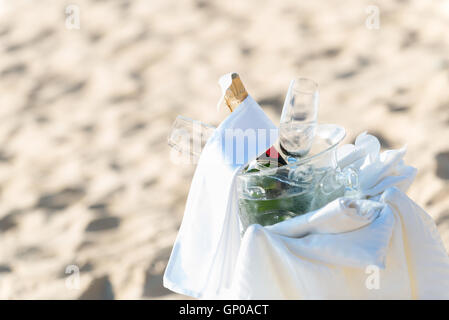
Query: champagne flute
x,y
189,136
299,118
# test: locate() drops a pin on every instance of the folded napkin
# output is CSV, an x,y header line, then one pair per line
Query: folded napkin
x,y
380,247
204,254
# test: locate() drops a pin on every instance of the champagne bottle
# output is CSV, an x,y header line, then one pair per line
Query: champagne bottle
x,y
233,97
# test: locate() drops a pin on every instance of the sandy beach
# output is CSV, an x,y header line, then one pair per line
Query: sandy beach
x,y
87,183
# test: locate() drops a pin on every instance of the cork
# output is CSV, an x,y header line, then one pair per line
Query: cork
x,y
236,93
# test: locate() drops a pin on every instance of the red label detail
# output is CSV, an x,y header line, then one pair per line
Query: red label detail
x,y
272,153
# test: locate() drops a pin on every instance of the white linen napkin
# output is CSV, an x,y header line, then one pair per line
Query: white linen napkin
x,y
204,254
383,247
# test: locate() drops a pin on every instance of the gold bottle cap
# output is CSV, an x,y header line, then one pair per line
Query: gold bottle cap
x,y
235,93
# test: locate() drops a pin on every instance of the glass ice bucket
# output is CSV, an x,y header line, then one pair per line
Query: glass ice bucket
x,y
268,195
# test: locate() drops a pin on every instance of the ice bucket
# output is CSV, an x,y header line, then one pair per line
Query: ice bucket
x,y
270,195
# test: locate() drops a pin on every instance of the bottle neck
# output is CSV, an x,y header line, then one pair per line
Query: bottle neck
x,y
235,93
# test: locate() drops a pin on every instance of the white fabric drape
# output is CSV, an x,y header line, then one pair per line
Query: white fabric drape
x,y
204,254
382,246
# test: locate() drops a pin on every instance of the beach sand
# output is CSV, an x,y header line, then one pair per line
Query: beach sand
x,y
87,180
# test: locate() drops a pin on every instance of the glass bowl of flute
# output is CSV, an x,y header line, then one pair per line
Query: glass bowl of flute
x,y
268,194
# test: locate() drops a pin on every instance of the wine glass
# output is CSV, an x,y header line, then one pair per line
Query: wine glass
x,y
189,136
299,117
